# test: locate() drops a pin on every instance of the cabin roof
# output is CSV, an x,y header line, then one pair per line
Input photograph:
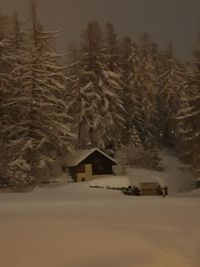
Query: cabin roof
x,y
81,155
148,180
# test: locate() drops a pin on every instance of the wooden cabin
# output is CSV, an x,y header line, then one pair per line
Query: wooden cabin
x,y
90,164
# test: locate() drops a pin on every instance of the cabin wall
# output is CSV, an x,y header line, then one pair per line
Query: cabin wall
x,y
87,175
100,164
93,166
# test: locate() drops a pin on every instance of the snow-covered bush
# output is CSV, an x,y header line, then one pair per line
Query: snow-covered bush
x,y
48,166
45,162
16,171
19,180
19,163
18,175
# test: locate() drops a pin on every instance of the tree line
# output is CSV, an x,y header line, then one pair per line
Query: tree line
x,y
107,92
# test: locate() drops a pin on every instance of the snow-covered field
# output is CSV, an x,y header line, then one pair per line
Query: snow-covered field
x,y
76,226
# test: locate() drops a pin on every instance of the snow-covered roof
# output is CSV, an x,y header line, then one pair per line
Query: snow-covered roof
x,y
140,180
81,155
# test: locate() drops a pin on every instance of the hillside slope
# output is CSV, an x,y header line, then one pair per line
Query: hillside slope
x,y
176,176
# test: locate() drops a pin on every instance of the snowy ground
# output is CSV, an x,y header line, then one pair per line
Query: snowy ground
x,y
75,226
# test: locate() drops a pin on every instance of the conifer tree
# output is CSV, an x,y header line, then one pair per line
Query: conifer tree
x,y
112,93
148,88
99,88
89,91
126,69
76,97
189,117
111,48
38,121
136,96
172,86
8,58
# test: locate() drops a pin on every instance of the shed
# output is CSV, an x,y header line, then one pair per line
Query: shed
x,y
149,188
89,164
148,185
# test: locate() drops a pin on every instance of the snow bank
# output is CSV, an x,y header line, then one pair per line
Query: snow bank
x,y
193,193
111,182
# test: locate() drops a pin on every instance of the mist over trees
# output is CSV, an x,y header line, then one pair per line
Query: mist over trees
x,y
110,92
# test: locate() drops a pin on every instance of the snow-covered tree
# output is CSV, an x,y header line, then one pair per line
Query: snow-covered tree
x,y
149,90
37,115
95,90
84,89
136,112
112,93
189,117
195,103
134,137
76,97
184,129
127,70
111,48
172,82
8,60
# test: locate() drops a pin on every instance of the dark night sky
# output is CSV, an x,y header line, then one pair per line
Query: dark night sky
x,y
176,20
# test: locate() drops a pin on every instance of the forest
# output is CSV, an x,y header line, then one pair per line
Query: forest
x,y
107,92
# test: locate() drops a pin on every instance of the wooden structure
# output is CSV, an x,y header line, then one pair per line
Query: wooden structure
x,y
89,164
149,188
149,185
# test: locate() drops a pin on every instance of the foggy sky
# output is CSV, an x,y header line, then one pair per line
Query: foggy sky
x,y
176,20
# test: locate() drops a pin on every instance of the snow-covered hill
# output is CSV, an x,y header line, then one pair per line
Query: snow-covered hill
x,y
176,176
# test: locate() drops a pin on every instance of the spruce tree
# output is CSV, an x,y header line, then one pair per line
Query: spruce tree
x,y
126,70
88,91
8,62
148,90
112,93
189,117
76,97
172,85
100,88
137,110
